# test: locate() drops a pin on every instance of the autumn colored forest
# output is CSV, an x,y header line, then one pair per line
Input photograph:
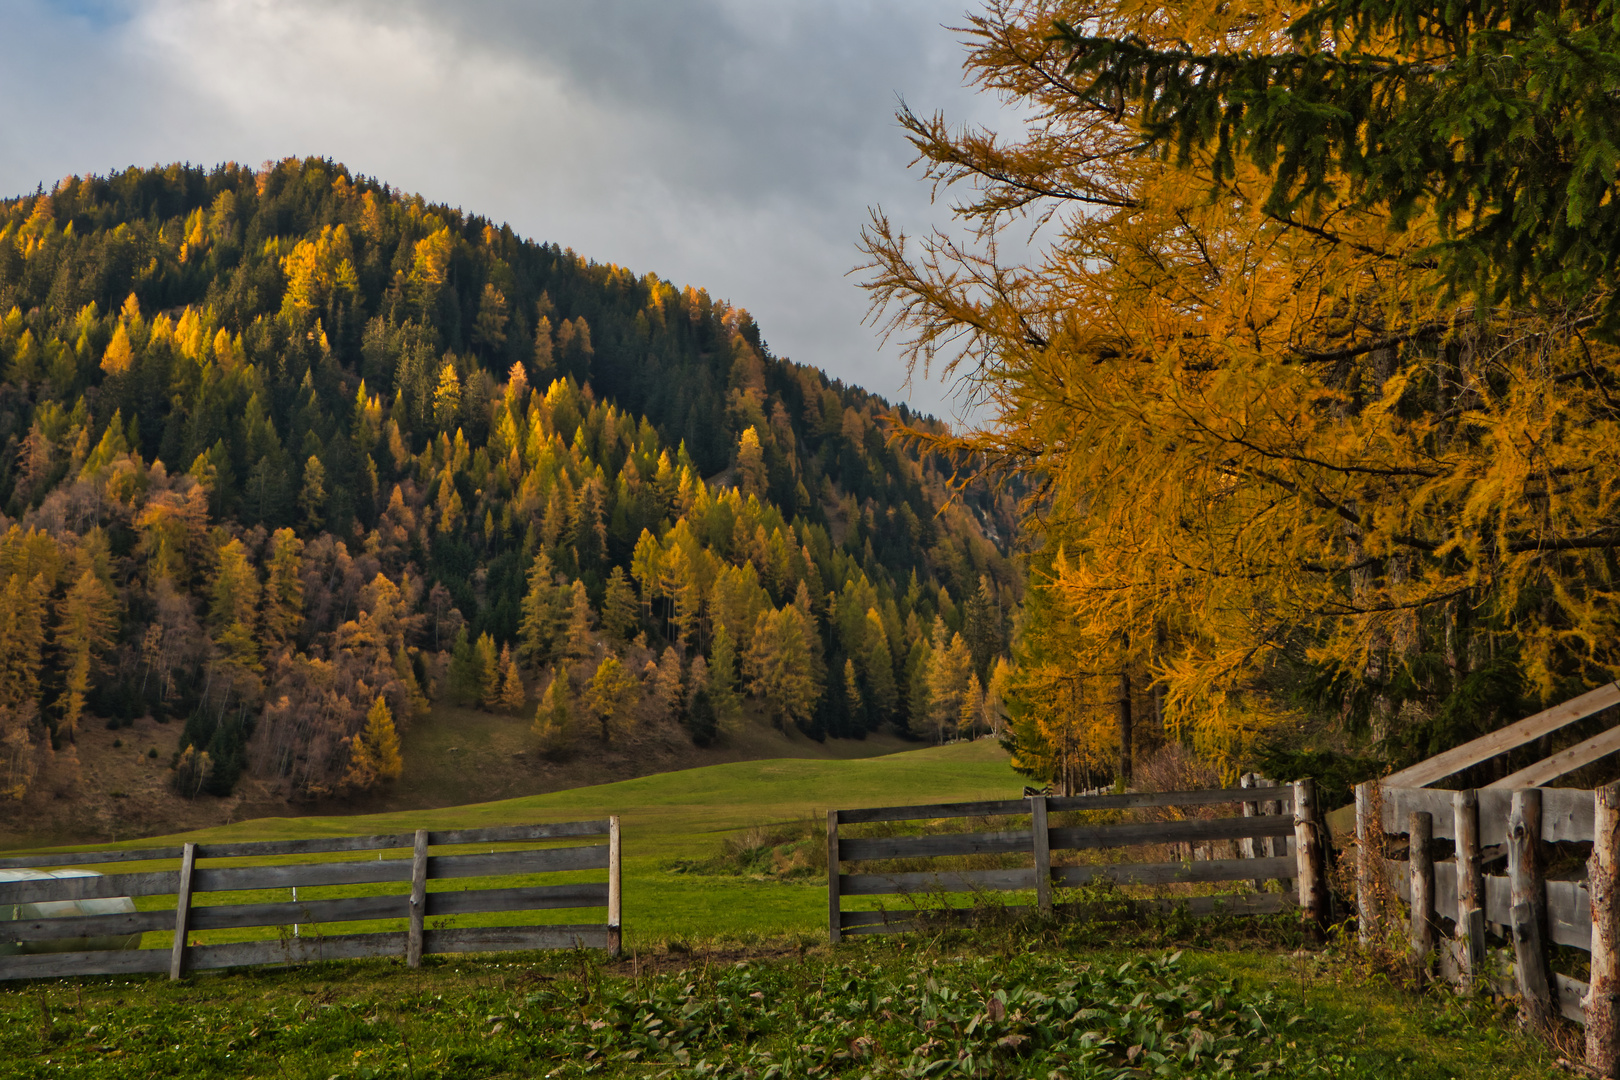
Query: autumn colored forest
x,y
289,456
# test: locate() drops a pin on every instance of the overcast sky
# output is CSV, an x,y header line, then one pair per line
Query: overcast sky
x,y
733,145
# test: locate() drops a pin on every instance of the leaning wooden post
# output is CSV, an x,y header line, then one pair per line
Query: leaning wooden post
x,y
1039,842
1310,856
1528,894
1602,1016
1470,886
615,912
1420,837
1369,859
1246,845
419,862
835,930
182,911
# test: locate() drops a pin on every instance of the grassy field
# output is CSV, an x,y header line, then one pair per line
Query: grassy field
x,y
677,817
1025,1001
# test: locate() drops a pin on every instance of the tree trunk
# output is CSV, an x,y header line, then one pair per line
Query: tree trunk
x,y
1124,729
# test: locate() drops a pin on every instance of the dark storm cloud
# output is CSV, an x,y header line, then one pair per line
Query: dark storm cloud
x,y
729,145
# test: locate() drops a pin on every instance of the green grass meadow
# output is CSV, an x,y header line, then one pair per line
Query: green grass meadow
x,y
665,820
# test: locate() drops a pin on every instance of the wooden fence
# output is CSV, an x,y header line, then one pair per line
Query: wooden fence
x,y
1270,860
299,939
1515,830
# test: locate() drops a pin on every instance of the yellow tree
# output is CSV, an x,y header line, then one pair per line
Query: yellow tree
x,y
84,630
1265,449
610,694
374,753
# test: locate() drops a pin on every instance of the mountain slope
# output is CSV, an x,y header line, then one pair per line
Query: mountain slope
x,y
284,444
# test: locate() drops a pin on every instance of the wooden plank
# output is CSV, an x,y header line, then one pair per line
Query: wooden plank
x,y
1040,850
306,949
326,845
88,858
527,898
1310,854
1566,815
913,847
615,890
834,904
417,899
1569,914
1467,889
1551,768
931,811
1488,746
1369,856
153,883
1603,872
516,938
1445,890
1207,870
296,875
96,962
506,834
1570,992
1167,832
82,926
1421,936
314,912
1145,799
543,861
182,911
1529,910
1498,899
943,882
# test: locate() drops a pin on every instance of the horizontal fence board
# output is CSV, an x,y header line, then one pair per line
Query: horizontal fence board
x,y
1569,914
1249,904
307,949
900,922
87,858
98,962
1569,910
913,847
515,938
1566,813
84,926
293,875
929,811
1141,800
1166,873
944,881
544,861
1570,992
531,898
506,834
153,883
892,922
1445,889
1167,832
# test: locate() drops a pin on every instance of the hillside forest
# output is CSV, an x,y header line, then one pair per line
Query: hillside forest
x,y
290,456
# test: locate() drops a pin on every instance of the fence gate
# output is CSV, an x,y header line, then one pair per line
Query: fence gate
x,y
237,886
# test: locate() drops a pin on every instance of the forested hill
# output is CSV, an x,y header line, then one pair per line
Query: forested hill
x,y
288,455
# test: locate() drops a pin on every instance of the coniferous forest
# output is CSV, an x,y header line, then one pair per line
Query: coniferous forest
x,y
289,456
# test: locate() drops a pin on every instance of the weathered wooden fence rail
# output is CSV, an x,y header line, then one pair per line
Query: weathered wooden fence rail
x,y
190,881
1512,831
1276,844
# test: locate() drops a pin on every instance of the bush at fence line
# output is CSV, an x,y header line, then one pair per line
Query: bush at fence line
x,y
61,909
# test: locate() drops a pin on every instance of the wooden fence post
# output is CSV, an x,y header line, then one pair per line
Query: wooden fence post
x,y
1310,856
1369,862
1528,896
1040,845
835,931
1602,1021
1420,840
1470,886
413,936
1250,809
615,912
182,911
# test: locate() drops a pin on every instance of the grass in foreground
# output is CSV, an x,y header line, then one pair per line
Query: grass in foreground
x,y
1015,1003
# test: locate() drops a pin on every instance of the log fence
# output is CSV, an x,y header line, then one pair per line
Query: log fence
x,y
425,863
1498,880
1279,837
